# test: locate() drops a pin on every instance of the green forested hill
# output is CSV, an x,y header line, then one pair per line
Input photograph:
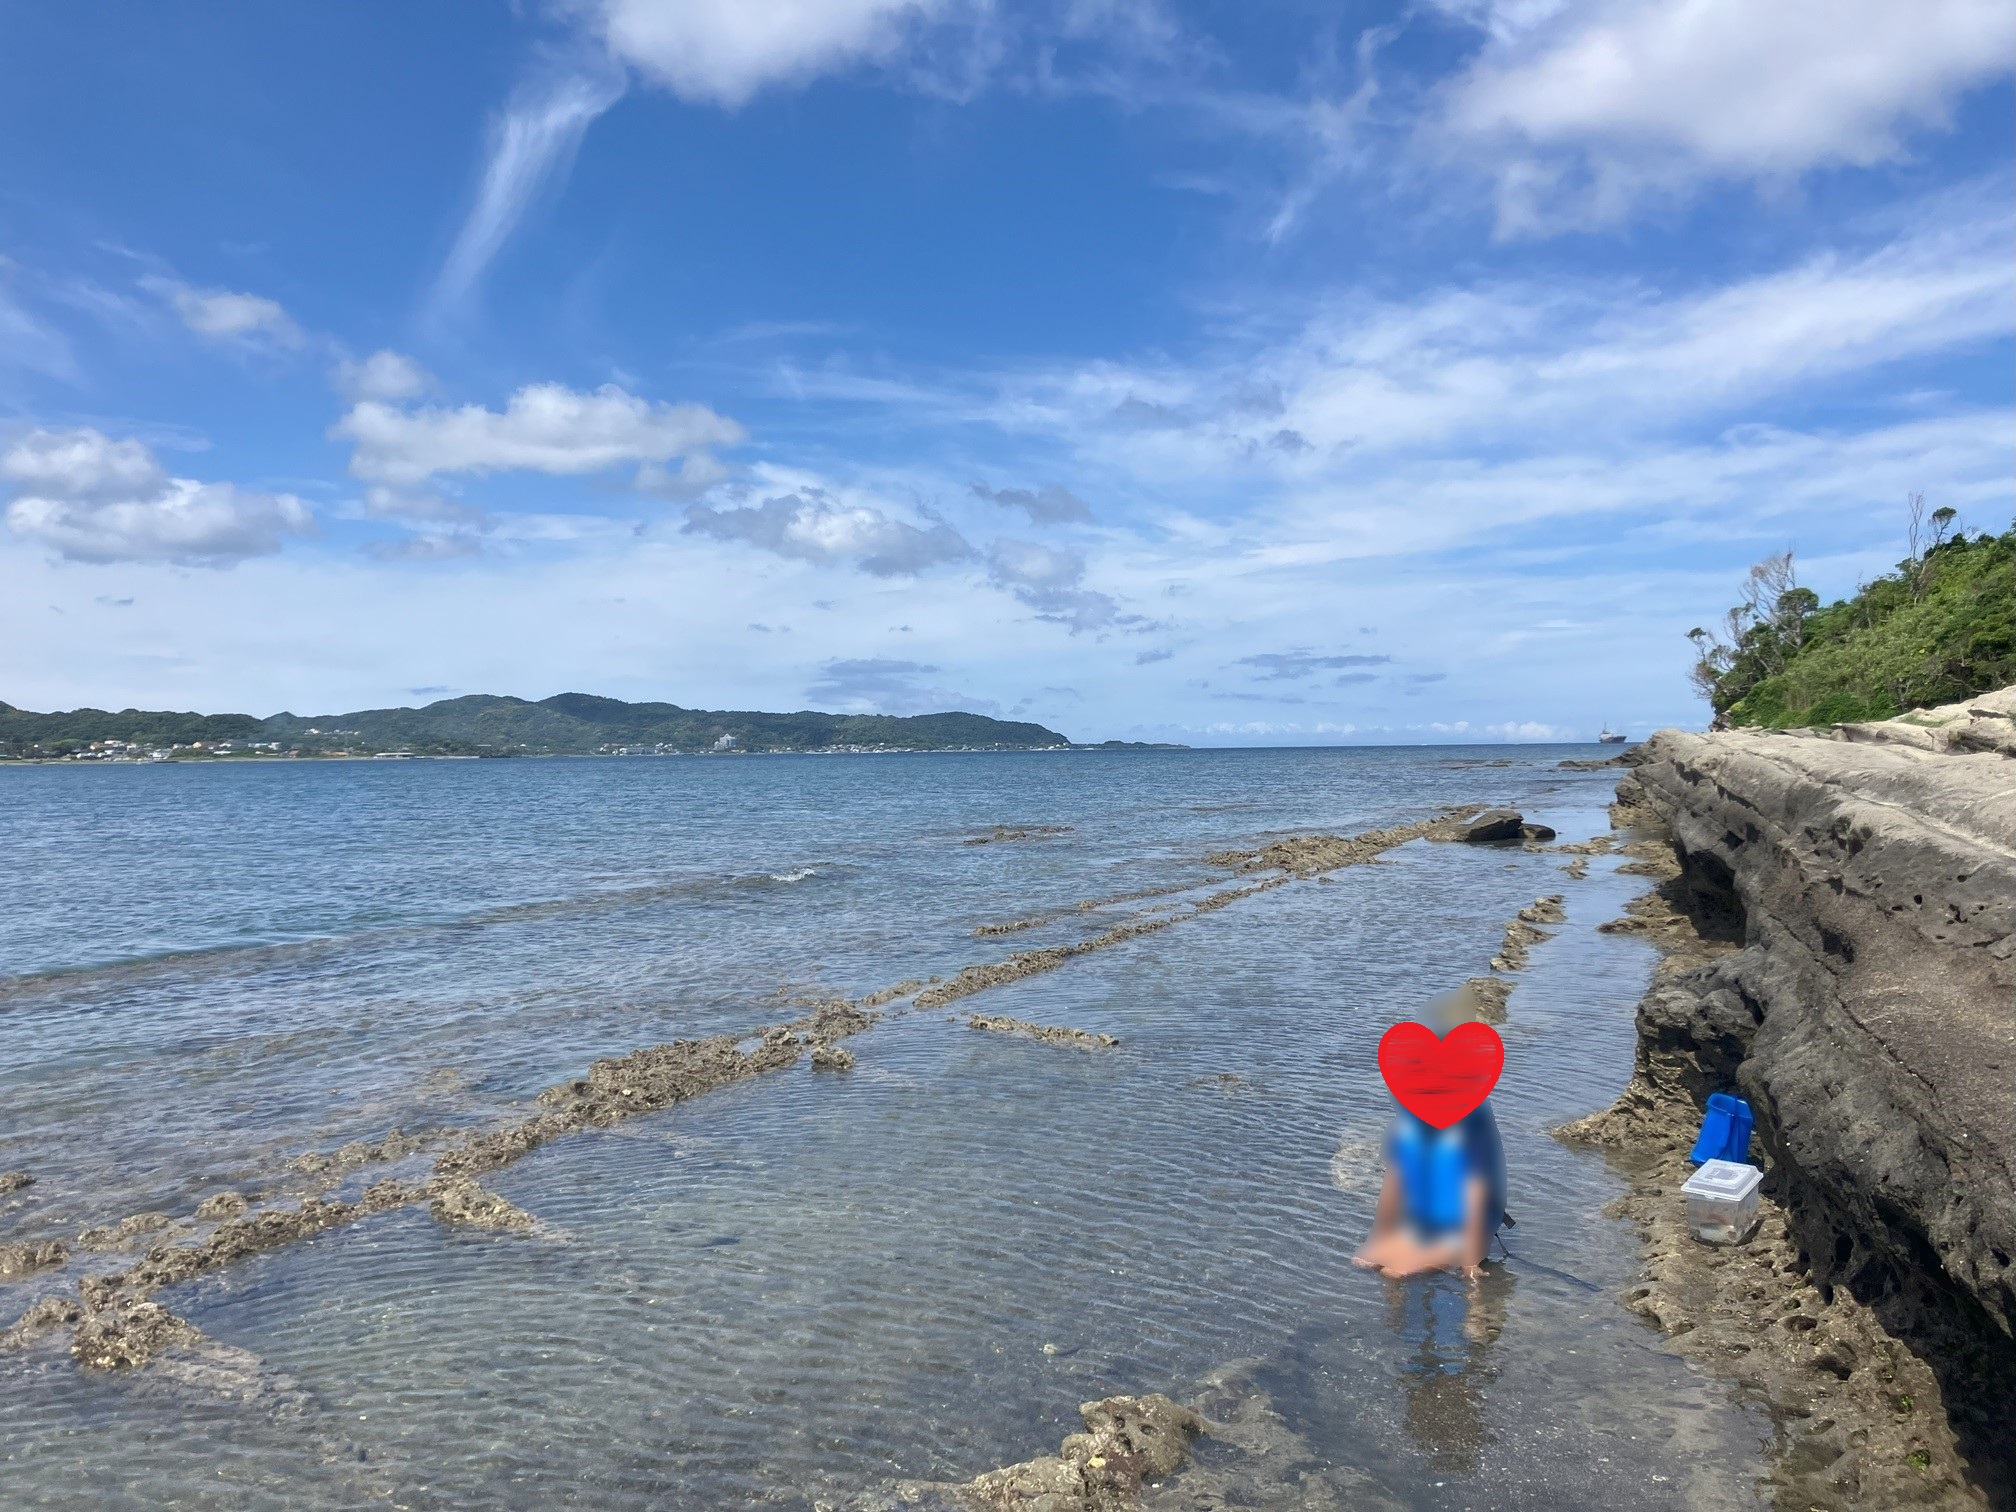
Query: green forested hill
x,y
484,724
1939,628
19,728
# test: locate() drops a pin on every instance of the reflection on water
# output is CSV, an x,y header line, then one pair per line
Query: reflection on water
x,y
802,1287
1447,1326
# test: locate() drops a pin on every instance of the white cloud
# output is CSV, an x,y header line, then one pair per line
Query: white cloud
x,y
723,52
545,427
223,315
1530,363
93,499
531,143
384,375
1596,102
812,526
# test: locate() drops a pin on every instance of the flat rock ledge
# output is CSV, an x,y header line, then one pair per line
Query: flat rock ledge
x,y
1840,922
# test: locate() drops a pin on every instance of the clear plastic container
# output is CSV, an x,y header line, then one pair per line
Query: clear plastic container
x,y
1722,1201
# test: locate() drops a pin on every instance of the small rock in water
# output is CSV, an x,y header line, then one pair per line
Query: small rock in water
x,y
25,1257
1493,824
832,1058
13,1181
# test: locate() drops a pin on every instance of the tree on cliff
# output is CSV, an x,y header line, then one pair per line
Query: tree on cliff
x,y
1938,629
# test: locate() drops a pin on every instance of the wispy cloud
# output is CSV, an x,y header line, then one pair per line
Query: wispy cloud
x,y
532,143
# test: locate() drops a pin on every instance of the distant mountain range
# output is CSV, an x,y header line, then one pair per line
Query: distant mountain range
x,y
488,725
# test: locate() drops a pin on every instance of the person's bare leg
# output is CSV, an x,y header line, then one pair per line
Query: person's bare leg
x,y
1408,1257
1385,1227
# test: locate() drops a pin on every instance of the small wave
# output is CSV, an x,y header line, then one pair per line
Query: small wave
x,y
794,876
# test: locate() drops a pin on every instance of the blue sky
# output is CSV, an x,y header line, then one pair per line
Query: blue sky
x,y
1228,373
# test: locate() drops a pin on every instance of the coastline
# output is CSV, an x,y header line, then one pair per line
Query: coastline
x,y
1832,917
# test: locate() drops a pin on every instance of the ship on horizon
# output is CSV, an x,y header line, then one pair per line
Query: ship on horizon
x,y
1608,736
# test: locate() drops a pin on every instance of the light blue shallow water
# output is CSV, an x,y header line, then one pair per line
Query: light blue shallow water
x,y
799,1288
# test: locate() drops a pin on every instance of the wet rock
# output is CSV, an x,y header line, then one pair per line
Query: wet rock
x,y
119,1235
465,1203
1488,997
45,1316
14,1181
1049,1034
890,994
1578,868
128,1334
1492,825
223,1205
362,1152
1002,833
24,1257
832,1058
1536,832
1519,938
1128,1441
1312,855
1545,910
167,1264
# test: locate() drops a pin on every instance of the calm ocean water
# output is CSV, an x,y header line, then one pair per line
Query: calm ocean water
x,y
802,1287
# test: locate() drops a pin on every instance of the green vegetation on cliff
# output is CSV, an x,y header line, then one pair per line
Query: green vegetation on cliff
x,y
486,725
1938,629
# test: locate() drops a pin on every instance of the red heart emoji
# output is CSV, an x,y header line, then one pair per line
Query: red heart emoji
x,y
1440,1080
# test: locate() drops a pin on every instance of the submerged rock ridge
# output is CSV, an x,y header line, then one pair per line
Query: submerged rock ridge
x,y
116,1325
1840,922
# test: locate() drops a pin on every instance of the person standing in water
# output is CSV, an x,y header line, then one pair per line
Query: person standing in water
x,y
1444,1192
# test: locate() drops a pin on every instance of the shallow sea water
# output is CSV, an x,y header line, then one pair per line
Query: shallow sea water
x,y
801,1288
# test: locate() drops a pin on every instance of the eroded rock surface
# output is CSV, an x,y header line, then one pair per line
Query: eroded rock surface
x,y
1840,918
1128,1442
473,1206
26,1256
1049,1034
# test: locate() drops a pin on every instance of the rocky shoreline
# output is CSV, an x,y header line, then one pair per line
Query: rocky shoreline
x,y
1838,923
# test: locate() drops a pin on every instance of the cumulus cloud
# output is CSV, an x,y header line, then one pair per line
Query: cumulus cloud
x,y
812,526
1287,666
1052,504
545,427
1052,583
722,52
1596,101
94,499
883,685
223,315
384,375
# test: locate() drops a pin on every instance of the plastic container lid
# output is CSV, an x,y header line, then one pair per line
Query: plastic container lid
x,y
1729,1180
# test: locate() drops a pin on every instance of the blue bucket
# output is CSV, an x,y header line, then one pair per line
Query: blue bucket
x,y
1725,1132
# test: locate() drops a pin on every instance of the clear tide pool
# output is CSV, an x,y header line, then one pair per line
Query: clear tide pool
x,y
801,1288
